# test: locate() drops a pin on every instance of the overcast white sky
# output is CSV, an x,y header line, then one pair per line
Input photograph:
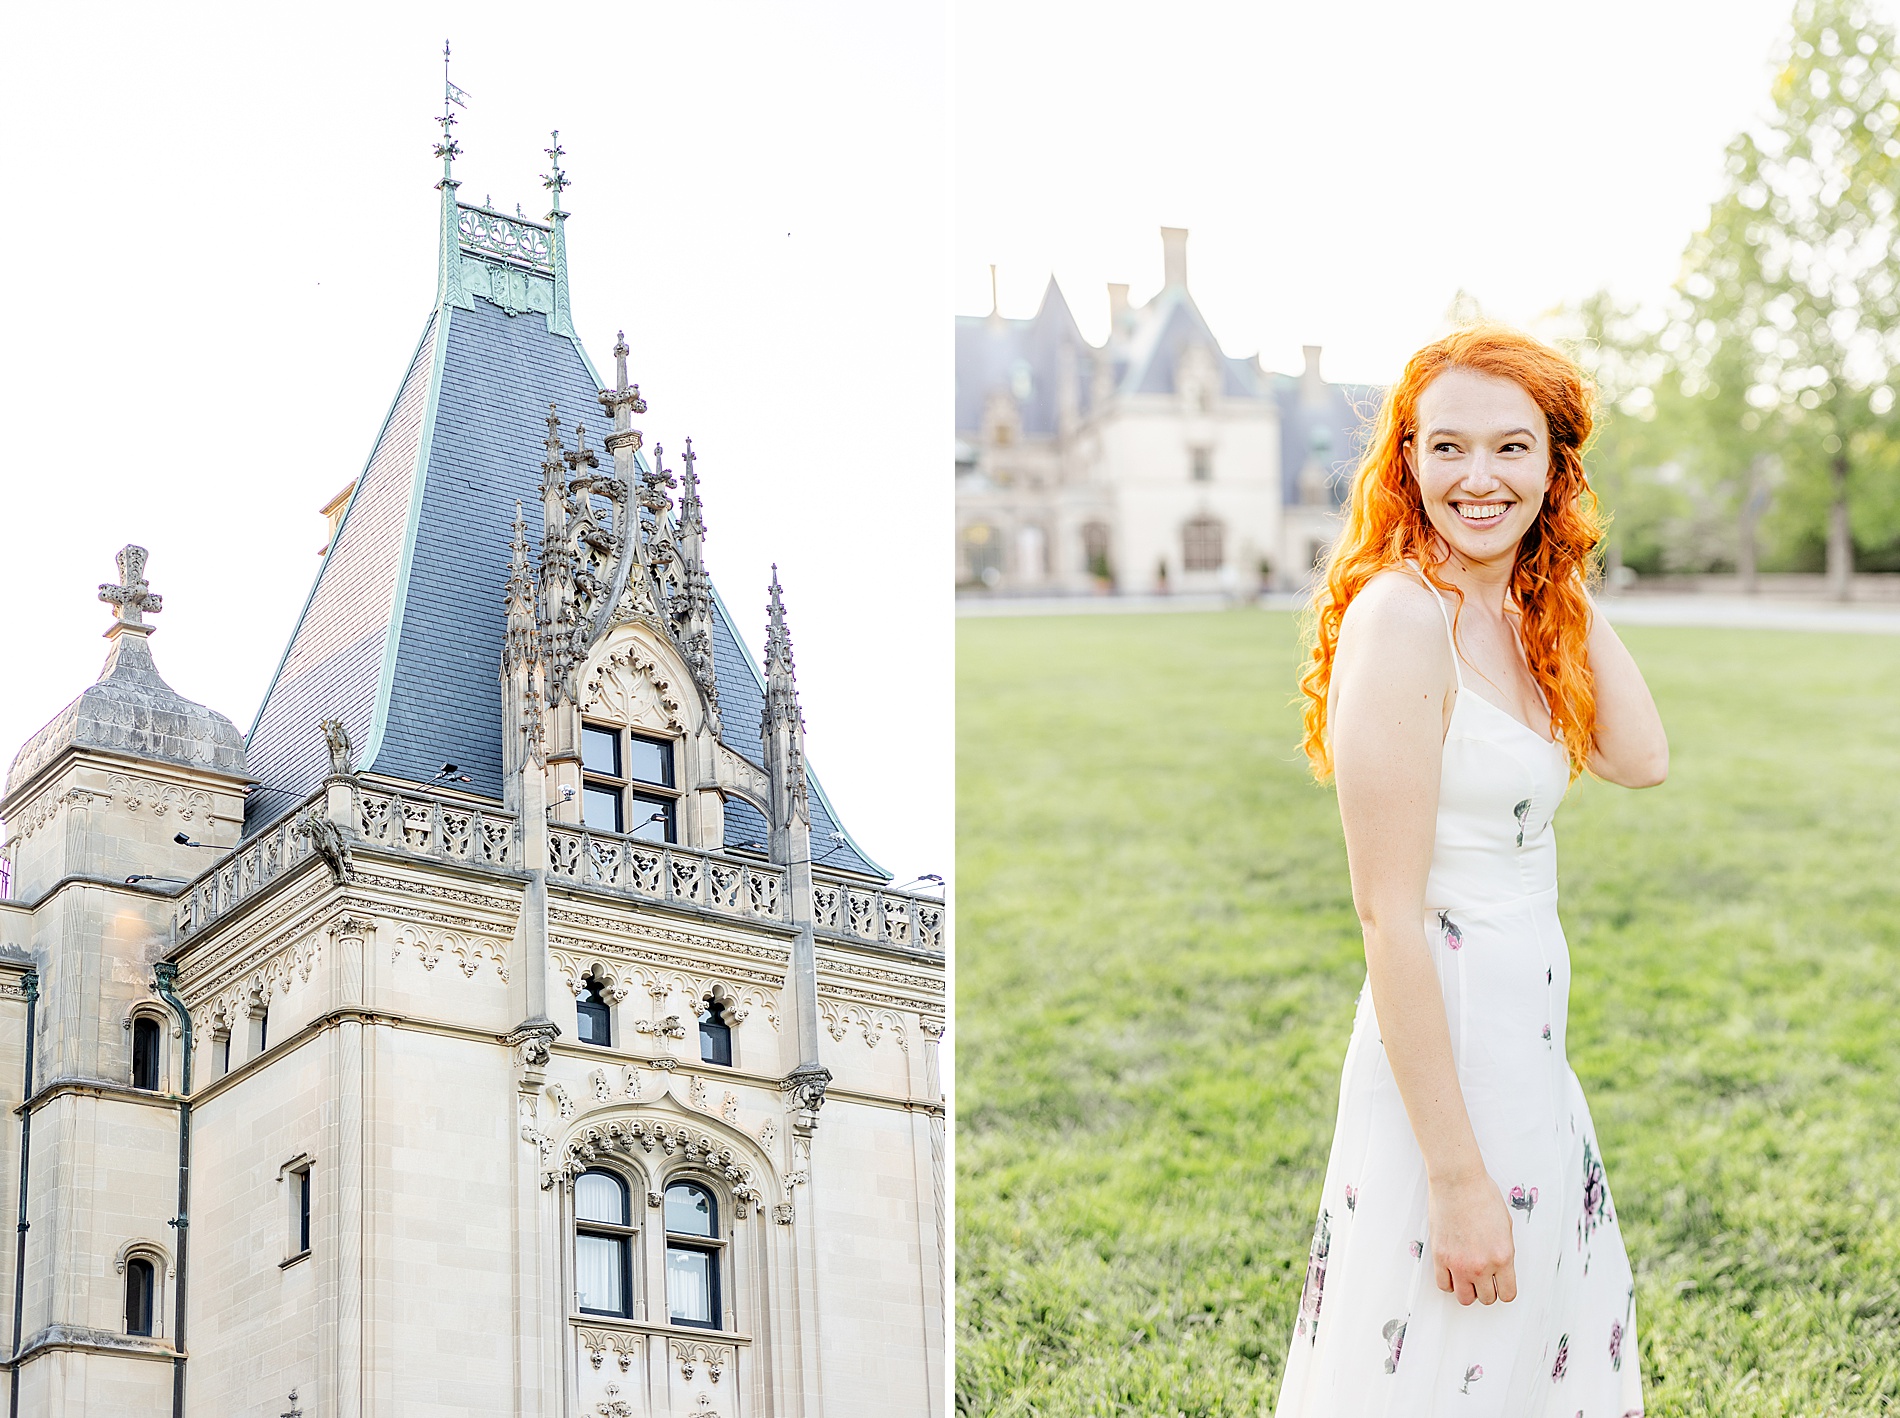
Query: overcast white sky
x,y
224,243
1344,169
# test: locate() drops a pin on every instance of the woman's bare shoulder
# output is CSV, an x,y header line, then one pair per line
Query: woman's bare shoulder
x,y
1393,608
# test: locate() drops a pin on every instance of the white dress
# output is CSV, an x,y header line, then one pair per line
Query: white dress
x,y
1375,1335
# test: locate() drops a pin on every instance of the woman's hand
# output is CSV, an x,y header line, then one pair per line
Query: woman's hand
x,y
1473,1251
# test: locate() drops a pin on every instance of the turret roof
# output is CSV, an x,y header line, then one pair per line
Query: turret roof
x,y
130,710
401,637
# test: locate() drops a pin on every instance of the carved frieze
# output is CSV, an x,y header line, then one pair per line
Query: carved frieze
x,y
429,945
135,794
629,687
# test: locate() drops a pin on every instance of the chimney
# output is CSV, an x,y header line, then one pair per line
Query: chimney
x,y
1117,308
1174,256
1312,386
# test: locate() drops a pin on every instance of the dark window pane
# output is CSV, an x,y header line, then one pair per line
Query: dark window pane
x,y
303,1210
600,1273
600,750
600,1196
595,1024
649,761
715,1036
263,1031
139,1284
145,1053
690,1211
690,1287
652,818
600,808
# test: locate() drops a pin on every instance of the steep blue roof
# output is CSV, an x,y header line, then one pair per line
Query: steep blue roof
x,y
401,637
1023,359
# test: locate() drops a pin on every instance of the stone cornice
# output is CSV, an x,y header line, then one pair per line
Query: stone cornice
x,y
71,1337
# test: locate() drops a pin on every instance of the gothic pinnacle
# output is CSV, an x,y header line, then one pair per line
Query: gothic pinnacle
x,y
691,514
555,180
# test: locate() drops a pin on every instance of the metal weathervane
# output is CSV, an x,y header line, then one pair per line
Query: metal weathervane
x,y
448,149
555,181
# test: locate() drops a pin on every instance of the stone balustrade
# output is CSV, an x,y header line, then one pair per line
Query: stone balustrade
x,y
850,911
660,871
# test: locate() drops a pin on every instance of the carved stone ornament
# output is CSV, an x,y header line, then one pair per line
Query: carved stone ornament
x,y
632,1137
327,841
804,1088
629,688
336,738
691,1356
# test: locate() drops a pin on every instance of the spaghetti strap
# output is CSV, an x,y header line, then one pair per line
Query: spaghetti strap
x,y
1450,635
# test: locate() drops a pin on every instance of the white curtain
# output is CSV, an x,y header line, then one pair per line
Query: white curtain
x,y
689,1286
599,1272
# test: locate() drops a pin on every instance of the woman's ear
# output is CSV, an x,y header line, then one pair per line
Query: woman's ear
x,y
1406,446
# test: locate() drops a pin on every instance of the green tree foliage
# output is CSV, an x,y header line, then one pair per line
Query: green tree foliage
x,y
1789,336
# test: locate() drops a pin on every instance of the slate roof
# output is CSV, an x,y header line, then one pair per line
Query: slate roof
x,y
995,355
401,636
131,710
1012,356
1333,429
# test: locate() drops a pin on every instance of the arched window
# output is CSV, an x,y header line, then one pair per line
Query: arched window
x,y
693,1245
594,1022
715,1035
141,1286
145,1037
1201,548
603,1244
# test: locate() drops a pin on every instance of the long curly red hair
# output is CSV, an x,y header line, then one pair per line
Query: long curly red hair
x,y
1386,526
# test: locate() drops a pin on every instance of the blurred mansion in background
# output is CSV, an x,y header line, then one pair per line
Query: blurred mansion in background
x,y
507,1024
1151,462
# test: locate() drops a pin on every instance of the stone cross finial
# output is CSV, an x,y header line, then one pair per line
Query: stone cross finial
x,y
133,594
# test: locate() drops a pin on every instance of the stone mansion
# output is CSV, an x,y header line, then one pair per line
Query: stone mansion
x,y
1151,462
506,1024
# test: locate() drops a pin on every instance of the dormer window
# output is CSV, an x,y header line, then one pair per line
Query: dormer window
x,y
628,784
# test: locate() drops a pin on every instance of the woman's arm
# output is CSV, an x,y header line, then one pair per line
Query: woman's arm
x,y
1390,681
1631,749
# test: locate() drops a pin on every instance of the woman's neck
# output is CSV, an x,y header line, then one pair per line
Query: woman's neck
x,y
1482,583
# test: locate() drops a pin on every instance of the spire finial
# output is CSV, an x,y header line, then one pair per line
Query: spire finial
x,y
452,97
133,593
556,180
620,359
692,517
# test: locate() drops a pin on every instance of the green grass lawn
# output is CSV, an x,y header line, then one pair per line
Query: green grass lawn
x,y
1156,966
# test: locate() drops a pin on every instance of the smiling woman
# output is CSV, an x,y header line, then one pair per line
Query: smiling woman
x,y
1465,1226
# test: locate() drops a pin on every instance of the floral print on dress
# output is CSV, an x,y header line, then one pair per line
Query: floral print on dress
x,y
1596,1202
1352,1198
1520,812
1315,1278
1616,1345
1418,1250
1394,1341
1523,1199
1454,938
1562,1366
1472,1375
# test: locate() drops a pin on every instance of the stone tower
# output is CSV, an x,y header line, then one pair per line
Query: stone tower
x,y
503,975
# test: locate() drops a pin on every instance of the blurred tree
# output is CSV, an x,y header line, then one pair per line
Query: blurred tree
x,y
1620,353
1789,340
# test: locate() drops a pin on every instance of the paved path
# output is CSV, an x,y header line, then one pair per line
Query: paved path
x,y
1725,612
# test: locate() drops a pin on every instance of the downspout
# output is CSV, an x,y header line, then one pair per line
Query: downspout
x,y
31,982
165,974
